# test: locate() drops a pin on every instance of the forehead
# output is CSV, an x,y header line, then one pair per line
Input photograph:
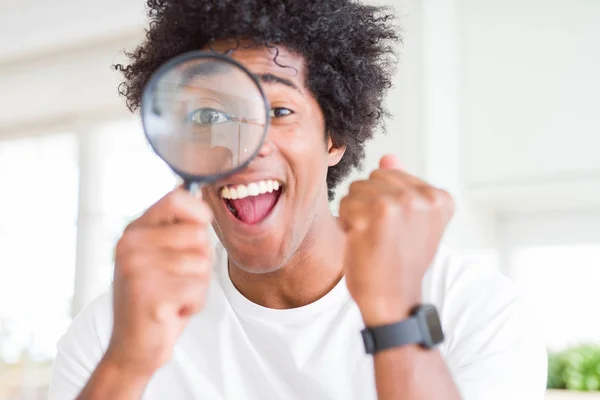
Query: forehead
x,y
276,60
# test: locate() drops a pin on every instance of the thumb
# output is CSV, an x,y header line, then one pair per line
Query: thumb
x,y
390,161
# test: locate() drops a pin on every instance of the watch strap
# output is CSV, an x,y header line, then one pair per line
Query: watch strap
x,y
394,335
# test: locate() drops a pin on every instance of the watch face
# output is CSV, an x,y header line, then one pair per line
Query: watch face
x,y
434,325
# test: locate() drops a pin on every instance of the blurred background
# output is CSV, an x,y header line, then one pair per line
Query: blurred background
x,y
498,101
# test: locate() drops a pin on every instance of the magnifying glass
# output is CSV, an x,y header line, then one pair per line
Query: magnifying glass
x,y
205,115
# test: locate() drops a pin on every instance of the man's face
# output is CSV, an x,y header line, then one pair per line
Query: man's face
x,y
262,232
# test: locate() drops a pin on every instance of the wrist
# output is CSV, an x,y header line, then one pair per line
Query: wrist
x,y
112,381
378,313
136,373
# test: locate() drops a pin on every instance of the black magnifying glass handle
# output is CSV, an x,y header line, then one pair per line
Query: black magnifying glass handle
x,y
193,187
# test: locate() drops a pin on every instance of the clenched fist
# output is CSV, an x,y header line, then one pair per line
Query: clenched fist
x,y
163,261
394,223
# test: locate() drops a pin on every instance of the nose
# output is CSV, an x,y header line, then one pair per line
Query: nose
x,y
266,148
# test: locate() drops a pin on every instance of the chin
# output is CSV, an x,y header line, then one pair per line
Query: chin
x,y
257,258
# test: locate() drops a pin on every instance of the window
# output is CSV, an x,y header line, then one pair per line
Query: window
x,y
132,178
38,212
65,199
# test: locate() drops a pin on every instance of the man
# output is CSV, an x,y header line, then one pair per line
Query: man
x,y
278,310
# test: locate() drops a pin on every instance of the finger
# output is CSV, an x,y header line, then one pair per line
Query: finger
x,y
372,188
353,213
436,198
174,237
390,161
415,193
164,264
183,296
444,202
189,264
398,179
193,297
177,206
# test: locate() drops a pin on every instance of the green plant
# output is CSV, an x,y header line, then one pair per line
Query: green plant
x,y
577,368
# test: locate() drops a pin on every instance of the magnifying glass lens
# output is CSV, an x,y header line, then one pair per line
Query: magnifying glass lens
x,y
205,116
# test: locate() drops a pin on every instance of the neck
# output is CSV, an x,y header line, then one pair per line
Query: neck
x,y
314,269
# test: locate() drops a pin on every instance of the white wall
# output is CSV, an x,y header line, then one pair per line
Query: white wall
x,y
551,229
531,101
60,87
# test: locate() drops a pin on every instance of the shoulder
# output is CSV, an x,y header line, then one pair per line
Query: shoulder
x,y
472,299
492,337
94,322
81,348
453,277
469,297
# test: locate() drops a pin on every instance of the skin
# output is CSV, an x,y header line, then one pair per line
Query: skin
x,y
271,264
389,229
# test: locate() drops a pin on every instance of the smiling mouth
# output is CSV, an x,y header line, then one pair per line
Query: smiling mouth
x,y
252,203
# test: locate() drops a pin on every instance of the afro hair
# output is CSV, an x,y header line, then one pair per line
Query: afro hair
x,y
347,47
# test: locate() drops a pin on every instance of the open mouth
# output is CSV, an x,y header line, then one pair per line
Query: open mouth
x,y
253,202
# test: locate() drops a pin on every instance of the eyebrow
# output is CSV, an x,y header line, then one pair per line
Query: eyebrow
x,y
270,78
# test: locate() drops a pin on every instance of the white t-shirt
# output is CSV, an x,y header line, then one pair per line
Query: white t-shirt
x,y
235,349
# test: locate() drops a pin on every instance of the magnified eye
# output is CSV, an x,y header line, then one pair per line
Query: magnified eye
x,y
208,116
279,112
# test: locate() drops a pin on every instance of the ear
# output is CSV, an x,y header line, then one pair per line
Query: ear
x,y
334,154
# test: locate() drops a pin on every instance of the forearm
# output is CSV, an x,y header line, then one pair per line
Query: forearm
x,y
109,381
413,373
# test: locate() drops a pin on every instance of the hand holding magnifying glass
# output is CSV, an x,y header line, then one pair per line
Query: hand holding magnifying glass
x,y
206,116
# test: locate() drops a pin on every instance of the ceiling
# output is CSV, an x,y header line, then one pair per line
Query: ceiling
x,y
32,27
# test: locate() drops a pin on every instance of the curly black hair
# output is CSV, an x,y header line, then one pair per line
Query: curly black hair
x,y
347,46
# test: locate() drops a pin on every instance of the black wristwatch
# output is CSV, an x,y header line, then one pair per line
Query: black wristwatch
x,y
422,328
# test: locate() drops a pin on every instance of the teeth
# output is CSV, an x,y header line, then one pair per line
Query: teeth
x,y
262,187
252,189
242,191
